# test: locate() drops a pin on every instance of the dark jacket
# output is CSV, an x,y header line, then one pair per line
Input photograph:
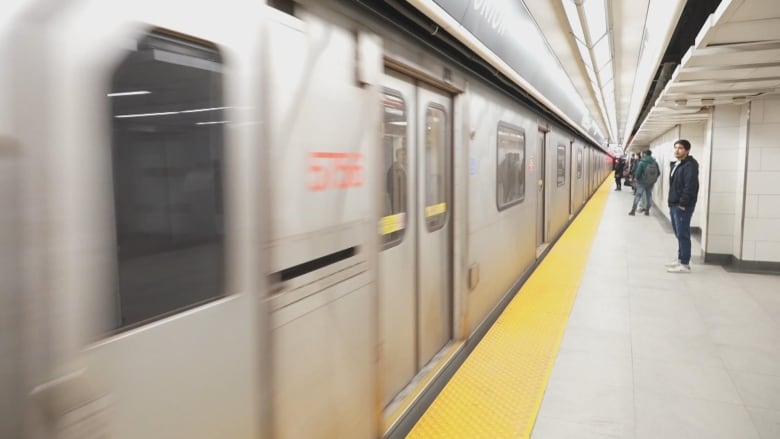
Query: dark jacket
x,y
643,163
618,167
684,183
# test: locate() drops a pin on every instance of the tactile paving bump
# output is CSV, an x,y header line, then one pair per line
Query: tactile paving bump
x,y
498,390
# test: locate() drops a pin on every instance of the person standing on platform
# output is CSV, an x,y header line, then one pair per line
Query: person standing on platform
x,y
631,178
618,168
683,193
647,172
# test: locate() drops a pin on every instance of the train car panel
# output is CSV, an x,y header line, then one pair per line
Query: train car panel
x,y
129,222
502,196
325,135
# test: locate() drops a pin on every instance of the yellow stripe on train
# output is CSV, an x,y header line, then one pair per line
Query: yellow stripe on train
x,y
435,209
392,223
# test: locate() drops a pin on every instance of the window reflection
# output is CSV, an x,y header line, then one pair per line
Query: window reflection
x,y
167,153
435,168
510,181
393,222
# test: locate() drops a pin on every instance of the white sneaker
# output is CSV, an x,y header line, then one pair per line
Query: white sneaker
x,y
671,264
680,268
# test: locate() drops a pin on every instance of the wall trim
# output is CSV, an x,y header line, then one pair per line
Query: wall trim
x,y
745,177
734,265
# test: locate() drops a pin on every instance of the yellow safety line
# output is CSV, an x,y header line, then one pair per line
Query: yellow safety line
x,y
498,390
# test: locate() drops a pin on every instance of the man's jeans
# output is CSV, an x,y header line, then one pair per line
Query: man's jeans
x,y
640,191
681,224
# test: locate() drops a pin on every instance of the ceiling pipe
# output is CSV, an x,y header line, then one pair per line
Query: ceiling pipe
x,y
658,85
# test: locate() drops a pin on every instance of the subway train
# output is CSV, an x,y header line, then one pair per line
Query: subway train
x,y
232,220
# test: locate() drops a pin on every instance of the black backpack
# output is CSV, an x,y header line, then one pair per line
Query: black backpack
x,y
651,173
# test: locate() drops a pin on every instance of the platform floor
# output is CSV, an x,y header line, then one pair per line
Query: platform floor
x,y
644,353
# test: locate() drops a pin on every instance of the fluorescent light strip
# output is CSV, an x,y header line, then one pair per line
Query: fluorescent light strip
x,y
198,110
211,123
129,93
127,116
167,113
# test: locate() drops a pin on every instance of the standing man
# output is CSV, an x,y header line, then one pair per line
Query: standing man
x,y
618,168
647,172
683,192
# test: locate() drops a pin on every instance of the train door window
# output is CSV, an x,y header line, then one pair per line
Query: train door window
x,y
393,223
579,163
435,168
510,171
167,118
561,165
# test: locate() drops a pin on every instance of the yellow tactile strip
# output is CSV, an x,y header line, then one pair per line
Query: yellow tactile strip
x,y
498,390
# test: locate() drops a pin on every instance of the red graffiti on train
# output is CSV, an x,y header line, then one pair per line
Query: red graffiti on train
x,y
334,170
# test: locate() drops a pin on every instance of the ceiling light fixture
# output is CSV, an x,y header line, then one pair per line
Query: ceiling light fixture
x,y
589,25
128,93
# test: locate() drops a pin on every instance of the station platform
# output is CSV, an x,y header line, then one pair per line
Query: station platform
x,y
602,342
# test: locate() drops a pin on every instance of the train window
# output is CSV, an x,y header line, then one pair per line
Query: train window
x,y
579,163
561,165
393,223
510,172
167,118
435,168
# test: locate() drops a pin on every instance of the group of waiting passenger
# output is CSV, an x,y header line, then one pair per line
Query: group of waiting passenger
x,y
641,173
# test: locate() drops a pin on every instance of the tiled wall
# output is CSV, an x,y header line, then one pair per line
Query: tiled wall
x,y
762,195
696,134
727,164
663,152
738,150
705,169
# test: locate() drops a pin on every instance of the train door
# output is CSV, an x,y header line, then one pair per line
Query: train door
x,y
434,245
572,177
148,304
414,265
541,174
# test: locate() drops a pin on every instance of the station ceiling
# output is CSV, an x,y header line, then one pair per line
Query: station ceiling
x,y
734,57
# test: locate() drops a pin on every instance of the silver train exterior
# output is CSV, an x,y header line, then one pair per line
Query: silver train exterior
x,y
221,220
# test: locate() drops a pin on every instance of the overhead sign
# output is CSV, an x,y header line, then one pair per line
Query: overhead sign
x,y
508,30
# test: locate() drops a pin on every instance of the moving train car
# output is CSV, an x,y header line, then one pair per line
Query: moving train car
x,y
226,219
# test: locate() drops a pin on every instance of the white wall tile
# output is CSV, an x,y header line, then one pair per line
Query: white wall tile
x,y
722,181
770,158
762,229
757,111
727,116
768,251
721,203
767,206
751,206
721,224
763,183
771,110
725,138
754,159
725,159
736,242
721,244
764,135
749,251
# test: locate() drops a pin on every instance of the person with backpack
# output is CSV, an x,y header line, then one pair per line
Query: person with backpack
x,y
647,172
